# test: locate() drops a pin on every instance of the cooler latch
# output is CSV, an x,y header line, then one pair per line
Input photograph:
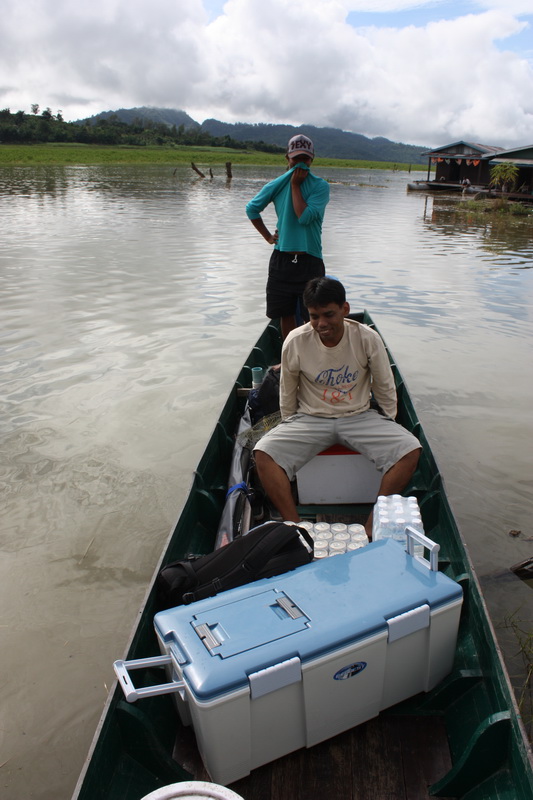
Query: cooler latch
x,y
287,605
411,621
207,637
275,677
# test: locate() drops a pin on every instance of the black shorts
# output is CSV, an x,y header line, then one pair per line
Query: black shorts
x,y
288,274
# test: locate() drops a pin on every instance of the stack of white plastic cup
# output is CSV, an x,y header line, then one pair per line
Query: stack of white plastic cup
x,y
336,548
321,548
336,538
342,536
358,537
338,527
321,527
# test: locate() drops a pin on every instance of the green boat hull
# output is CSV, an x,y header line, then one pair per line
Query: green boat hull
x,y
489,756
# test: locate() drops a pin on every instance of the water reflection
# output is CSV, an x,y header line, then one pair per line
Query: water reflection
x,y
507,239
37,181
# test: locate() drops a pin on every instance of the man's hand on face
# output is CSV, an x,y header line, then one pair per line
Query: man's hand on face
x,y
299,175
301,165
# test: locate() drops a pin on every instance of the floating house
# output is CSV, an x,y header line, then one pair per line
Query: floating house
x,y
464,166
456,164
522,157
462,161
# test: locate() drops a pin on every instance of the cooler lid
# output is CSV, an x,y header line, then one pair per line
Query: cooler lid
x,y
219,642
253,621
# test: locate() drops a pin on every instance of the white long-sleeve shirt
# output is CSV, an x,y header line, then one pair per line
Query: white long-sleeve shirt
x,y
335,381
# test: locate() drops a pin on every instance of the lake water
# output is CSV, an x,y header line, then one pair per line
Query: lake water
x,y
130,298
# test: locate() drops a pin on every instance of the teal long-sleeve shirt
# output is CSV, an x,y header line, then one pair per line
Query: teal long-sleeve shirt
x,y
304,234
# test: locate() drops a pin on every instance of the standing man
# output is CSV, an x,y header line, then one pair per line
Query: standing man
x,y
329,367
300,199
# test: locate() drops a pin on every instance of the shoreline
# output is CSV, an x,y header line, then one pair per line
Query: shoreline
x,y
16,155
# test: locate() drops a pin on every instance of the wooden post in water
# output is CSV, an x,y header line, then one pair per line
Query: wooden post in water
x,y
195,168
228,170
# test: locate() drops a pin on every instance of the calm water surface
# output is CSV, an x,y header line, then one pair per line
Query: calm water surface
x,y
130,297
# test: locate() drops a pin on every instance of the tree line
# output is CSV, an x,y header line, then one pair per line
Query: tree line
x,y
42,127
329,142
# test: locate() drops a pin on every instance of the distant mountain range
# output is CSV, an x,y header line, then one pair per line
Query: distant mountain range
x,y
168,116
329,142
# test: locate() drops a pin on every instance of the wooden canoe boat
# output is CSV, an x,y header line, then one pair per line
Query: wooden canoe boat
x,y
464,739
445,186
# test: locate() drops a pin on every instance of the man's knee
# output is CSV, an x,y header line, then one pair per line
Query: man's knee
x,y
406,463
414,455
261,458
264,462
410,460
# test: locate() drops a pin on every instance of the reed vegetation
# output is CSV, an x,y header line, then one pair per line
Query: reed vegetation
x,y
524,693
500,206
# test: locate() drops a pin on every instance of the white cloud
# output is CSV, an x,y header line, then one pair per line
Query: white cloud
x,y
281,61
517,7
451,79
449,7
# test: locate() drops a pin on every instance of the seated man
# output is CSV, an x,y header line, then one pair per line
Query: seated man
x,y
328,368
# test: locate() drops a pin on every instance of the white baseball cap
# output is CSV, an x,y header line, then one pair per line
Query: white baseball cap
x,y
300,144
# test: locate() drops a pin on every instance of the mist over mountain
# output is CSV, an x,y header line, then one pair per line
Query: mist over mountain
x,y
167,116
329,142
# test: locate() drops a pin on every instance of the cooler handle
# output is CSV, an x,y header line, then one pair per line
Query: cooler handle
x,y
429,544
130,692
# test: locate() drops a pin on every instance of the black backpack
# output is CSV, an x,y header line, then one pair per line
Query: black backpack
x,y
270,549
265,400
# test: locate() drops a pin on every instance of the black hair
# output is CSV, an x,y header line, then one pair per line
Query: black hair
x,y
323,291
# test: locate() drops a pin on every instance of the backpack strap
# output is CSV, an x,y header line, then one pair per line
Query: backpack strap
x,y
308,538
272,542
273,538
186,564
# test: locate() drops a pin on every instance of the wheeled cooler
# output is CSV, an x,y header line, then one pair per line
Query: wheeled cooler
x,y
286,662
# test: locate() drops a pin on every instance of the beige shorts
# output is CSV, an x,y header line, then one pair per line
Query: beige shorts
x,y
297,439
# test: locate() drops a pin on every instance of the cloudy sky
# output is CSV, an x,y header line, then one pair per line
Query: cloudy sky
x,y
416,71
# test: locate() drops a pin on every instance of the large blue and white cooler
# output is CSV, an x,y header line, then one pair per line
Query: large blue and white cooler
x,y
289,661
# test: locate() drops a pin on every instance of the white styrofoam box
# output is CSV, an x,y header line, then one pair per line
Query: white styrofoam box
x,y
288,661
338,475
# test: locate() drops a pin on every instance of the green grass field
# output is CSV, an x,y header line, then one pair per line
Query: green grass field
x,y
72,154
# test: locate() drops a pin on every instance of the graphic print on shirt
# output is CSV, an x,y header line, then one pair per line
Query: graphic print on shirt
x,y
338,383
